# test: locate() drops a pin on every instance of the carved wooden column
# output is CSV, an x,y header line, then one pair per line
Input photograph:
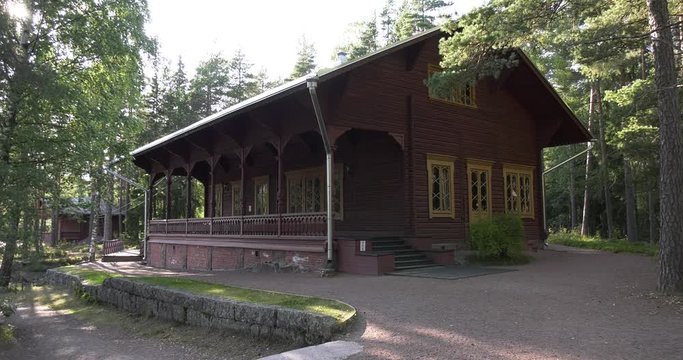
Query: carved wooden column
x,y
188,193
167,207
212,186
279,194
151,208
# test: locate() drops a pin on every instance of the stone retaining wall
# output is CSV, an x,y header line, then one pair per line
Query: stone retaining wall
x,y
219,313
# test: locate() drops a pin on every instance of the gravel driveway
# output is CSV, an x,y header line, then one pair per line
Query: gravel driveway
x,y
567,304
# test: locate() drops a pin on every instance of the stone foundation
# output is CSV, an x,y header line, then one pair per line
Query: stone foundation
x,y
219,313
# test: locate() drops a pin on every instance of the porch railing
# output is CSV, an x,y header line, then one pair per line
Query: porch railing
x,y
304,224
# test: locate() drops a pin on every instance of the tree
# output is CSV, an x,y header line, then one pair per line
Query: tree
x,y
363,39
305,61
243,83
209,87
69,75
417,15
670,149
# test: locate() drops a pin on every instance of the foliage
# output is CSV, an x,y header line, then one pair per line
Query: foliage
x,y
333,308
499,236
573,239
305,59
7,307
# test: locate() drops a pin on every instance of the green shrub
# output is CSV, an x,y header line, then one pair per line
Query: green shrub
x,y
499,236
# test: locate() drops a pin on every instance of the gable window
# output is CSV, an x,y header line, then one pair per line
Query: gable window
x,y
306,191
464,95
479,188
236,192
261,195
519,190
440,177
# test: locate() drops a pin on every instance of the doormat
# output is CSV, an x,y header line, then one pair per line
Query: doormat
x,y
450,272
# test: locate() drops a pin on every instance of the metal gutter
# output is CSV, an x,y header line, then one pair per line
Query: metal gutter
x,y
312,84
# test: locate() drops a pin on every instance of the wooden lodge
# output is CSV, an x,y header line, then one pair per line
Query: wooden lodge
x,y
409,171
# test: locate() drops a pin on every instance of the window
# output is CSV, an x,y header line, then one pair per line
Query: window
x,y
440,177
218,199
306,190
460,95
479,184
261,195
519,190
236,189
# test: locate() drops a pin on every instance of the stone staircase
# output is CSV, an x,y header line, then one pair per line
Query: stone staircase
x,y
405,256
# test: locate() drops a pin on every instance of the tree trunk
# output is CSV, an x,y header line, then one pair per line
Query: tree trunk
x,y
24,236
604,178
94,221
107,233
652,217
585,215
631,202
10,249
54,231
572,196
670,277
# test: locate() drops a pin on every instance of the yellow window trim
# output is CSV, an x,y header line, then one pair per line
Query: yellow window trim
x,y
431,69
481,165
442,160
525,170
259,180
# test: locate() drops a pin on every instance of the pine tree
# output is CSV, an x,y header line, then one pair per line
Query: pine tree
x,y
305,61
243,82
210,86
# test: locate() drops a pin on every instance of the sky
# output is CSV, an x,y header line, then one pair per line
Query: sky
x,y
267,31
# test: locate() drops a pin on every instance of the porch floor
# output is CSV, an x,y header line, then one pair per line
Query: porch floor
x,y
125,255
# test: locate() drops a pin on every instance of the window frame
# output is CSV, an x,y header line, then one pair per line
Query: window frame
x,y
480,165
320,172
518,170
258,181
431,69
441,160
218,200
233,186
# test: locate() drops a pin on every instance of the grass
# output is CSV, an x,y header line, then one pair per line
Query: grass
x,y
89,276
616,246
336,309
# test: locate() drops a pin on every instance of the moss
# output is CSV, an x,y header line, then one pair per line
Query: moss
x,y
89,276
336,309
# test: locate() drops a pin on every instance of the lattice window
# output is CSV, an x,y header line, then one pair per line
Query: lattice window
x,y
218,199
440,175
479,180
261,199
460,95
236,189
306,191
519,190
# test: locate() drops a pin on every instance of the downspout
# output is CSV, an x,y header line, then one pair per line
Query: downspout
x,y
312,84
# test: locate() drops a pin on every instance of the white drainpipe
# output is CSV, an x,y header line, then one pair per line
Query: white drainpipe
x,y
312,84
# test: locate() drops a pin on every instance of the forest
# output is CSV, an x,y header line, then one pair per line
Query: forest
x,y
82,84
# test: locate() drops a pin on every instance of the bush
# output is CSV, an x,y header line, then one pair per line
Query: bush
x,y
499,236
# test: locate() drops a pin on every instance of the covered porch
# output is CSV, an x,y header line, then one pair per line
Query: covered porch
x,y
250,187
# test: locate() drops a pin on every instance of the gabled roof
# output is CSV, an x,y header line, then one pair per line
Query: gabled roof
x,y
284,90
575,126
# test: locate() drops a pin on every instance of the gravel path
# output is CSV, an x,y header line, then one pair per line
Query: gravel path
x,y
567,304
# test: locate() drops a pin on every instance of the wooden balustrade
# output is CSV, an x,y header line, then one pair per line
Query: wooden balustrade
x,y
272,225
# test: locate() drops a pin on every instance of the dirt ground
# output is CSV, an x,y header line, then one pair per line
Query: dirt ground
x,y
567,304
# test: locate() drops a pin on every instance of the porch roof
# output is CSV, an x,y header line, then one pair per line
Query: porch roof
x,y
282,91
